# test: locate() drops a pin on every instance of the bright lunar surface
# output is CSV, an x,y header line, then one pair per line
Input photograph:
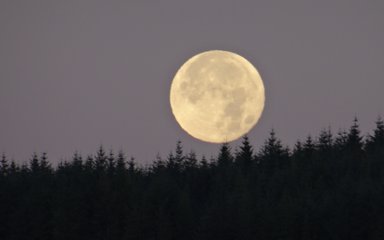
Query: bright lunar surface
x,y
217,96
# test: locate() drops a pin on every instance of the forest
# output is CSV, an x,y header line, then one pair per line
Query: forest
x,y
326,187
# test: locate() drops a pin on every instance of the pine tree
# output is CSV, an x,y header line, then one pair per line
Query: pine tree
x,y
120,163
45,166
298,149
171,163
159,164
225,157
325,140
245,156
190,161
34,163
4,165
273,155
100,160
89,163
341,140
324,156
132,165
77,162
13,168
179,157
204,163
111,163
309,146
376,140
354,150
378,136
375,150
354,140
298,155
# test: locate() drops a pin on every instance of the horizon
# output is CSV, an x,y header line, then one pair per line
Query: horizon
x,y
232,147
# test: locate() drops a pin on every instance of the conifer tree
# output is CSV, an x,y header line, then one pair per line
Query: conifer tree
x,y
34,163
77,162
375,150
4,165
245,156
89,163
190,161
308,152
298,148
44,165
111,163
273,155
171,162
132,165
325,140
179,157
120,163
225,157
354,140
309,146
376,141
100,160
159,164
378,136
204,163
13,168
341,140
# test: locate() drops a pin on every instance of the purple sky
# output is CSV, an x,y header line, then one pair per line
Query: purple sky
x,y
77,74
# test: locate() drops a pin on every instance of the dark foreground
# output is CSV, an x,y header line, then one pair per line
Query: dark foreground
x,y
329,187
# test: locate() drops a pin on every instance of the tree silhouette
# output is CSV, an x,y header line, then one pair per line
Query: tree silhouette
x,y
244,157
4,165
327,187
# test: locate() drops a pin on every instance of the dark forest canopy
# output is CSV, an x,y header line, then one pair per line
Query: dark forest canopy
x,y
326,187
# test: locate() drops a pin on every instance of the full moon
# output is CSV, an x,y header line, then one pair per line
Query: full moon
x,y
217,96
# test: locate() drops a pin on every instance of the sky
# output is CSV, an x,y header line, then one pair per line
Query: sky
x,y
78,74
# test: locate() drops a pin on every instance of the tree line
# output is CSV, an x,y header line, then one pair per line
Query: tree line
x,y
325,187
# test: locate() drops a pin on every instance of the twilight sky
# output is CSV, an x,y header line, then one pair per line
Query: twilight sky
x,y
77,74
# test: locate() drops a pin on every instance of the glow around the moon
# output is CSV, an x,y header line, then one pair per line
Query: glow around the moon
x,y
217,96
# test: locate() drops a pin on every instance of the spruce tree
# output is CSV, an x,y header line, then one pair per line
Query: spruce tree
x,y
4,165
245,156
120,163
34,163
272,154
132,165
100,160
111,163
179,157
190,161
225,157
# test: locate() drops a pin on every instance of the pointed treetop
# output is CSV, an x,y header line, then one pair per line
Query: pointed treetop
x,y
298,147
34,163
246,146
4,164
325,139
308,145
204,162
379,131
354,138
272,144
179,156
225,156
132,165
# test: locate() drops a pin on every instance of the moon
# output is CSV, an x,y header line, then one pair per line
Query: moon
x,y
217,96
